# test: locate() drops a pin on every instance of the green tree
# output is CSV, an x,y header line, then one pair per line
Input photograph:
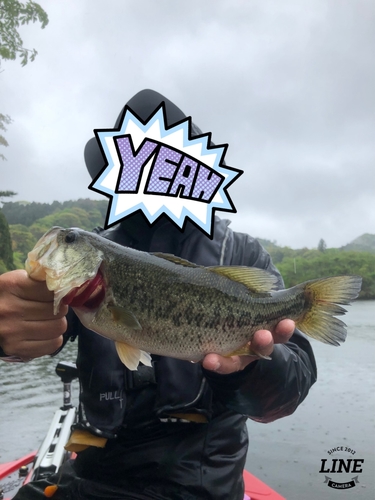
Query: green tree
x,y
322,246
14,14
6,194
6,254
22,240
4,120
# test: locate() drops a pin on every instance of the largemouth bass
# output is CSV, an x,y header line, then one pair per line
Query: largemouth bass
x,y
162,304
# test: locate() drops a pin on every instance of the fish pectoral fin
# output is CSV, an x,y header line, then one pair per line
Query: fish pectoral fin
x,y
146,358
246,350
125,317
132,356
174,259
255,279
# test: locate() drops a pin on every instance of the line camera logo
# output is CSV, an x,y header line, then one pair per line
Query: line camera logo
x,y
161,170
333,466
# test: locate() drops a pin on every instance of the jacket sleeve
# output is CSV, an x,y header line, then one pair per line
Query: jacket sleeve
x,y
266,390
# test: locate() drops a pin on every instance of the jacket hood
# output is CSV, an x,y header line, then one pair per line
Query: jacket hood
x,y
144,104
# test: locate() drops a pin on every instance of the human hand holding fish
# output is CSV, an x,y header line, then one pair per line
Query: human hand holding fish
x,y
28,326
162,304
262,342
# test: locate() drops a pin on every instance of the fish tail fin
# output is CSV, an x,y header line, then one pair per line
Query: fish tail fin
x,y
323,297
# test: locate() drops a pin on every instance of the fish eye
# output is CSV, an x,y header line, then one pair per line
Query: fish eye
x,y
71,237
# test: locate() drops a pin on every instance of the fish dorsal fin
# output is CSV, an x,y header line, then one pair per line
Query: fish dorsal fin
x,y
131,356
255,279
174,259
125,317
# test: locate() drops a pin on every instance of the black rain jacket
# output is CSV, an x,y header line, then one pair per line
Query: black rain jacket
x,y
154,448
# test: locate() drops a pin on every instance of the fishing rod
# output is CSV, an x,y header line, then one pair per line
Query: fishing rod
x,y
51,454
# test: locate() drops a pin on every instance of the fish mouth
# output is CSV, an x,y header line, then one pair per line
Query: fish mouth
x,y
89,295
70,285
34,264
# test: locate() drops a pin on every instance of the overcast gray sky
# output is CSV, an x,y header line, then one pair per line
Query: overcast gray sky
x,y
289,85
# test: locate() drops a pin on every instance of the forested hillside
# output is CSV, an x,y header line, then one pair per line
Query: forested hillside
x,y
364,243
29,221
333,262
306,264
26,213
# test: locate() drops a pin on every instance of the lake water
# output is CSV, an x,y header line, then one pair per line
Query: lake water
x,y
286,454
339,411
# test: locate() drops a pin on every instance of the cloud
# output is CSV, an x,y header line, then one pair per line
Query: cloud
x,y
288,86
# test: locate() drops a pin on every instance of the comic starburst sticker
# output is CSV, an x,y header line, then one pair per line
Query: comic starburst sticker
x,y
161,170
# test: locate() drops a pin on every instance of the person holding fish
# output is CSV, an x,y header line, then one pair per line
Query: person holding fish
x,y
181,362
